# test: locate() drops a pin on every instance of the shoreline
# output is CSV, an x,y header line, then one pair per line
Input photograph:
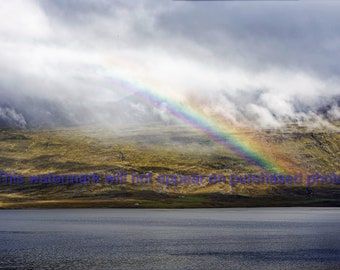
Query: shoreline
x,y
176,204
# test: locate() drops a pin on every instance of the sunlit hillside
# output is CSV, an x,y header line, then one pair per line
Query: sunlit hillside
x,y
168,150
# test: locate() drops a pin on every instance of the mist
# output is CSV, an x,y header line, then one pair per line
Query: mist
x,y
260,64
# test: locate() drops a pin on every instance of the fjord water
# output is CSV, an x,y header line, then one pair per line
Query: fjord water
x,y
254,238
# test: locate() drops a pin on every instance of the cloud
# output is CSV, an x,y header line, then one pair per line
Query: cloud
x,y
255,63
10,117
334,113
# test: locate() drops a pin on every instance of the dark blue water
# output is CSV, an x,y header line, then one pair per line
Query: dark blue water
x,y
260,238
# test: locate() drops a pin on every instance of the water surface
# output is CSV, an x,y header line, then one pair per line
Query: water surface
x,y
258,238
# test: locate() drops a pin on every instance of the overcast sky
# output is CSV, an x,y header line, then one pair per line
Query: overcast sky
x,y
260,62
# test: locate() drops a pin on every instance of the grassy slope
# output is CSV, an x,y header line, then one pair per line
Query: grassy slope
x,y
160,151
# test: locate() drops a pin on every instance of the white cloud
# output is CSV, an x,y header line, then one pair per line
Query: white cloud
x,y
334,113
23,19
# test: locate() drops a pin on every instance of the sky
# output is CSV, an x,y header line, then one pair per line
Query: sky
x,y
255,63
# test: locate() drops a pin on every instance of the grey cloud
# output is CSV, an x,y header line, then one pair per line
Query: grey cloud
x,y
260,35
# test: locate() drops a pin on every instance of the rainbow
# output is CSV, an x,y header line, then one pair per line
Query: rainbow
x,y
211,128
